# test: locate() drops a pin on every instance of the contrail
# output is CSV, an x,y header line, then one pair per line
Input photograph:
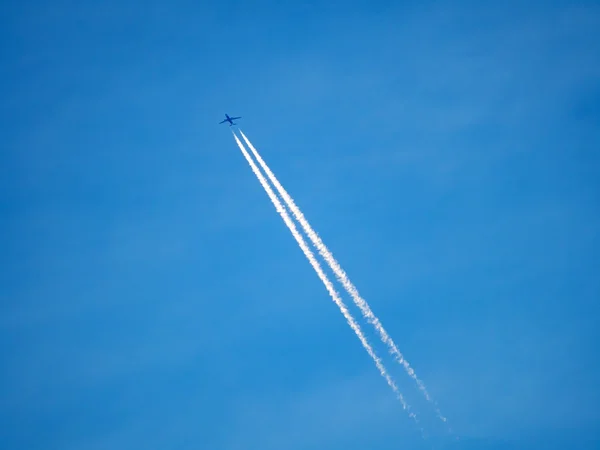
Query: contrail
x,y
341,276
315,264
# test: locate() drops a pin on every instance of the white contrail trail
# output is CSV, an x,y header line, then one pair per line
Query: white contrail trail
x,y
315,264
341,276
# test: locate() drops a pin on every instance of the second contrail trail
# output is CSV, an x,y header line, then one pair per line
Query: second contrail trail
x,y
328,285
341,276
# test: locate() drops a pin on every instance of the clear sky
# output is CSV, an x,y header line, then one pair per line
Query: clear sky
x,y
447,152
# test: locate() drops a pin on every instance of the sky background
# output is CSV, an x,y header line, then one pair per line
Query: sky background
x,y
447,153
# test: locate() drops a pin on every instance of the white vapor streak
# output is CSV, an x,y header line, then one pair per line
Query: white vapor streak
x,y
341,276
317,267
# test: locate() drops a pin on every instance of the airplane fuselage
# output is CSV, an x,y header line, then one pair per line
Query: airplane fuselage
x,y
230,120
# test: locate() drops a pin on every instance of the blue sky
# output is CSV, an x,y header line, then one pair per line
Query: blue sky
x,y
447,153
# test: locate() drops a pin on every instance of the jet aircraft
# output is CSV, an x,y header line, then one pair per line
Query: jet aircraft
x,y
229,119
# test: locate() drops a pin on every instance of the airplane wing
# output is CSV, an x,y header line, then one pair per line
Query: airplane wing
x,y
233,118
223,121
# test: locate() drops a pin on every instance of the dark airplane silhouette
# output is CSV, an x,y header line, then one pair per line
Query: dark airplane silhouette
x,y
230,120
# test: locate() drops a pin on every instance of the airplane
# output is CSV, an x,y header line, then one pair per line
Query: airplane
x,y
230,120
